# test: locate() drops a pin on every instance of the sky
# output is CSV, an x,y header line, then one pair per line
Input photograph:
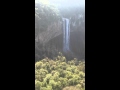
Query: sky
x,y
65,3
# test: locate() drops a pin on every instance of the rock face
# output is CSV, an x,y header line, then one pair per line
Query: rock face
x,y
50,42
53,30
77,45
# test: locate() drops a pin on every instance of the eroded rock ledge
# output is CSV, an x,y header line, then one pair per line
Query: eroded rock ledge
x,y
53,30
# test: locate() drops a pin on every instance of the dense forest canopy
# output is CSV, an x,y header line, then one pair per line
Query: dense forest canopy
x,y
59,74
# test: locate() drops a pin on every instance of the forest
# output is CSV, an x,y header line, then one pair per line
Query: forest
x,y
59,45
60,74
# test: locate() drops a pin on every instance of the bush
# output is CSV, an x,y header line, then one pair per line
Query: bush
x,y
58,74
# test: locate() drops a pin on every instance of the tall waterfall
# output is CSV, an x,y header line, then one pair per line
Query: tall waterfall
x,y
66,34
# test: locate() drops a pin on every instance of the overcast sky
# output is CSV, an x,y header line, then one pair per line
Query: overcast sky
x,y
68,2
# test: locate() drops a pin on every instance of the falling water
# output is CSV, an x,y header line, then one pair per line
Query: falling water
x,y
66,34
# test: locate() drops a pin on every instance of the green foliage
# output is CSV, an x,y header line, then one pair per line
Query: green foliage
x,y
71,88
58,74
45,14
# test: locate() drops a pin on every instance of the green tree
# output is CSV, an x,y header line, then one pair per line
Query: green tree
x,y
45,14
58,74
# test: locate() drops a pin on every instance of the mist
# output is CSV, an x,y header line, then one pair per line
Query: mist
x,y
59,44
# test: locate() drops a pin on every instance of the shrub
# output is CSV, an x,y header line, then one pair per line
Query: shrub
x,y
59,75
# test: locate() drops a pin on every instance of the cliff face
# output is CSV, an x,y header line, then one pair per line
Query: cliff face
x,y
52,31
55,29
77,45
50,42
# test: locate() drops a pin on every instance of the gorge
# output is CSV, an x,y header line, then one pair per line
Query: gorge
x,y
66,35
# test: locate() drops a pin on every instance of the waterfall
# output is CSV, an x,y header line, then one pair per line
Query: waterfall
x,y
66,34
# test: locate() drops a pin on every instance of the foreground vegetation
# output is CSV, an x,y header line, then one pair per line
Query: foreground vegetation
x,y
59,74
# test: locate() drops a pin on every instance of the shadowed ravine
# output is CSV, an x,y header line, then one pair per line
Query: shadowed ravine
x,y
61,37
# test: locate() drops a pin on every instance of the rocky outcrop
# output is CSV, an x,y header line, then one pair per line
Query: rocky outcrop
x,y
52,31
50,42
77,23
